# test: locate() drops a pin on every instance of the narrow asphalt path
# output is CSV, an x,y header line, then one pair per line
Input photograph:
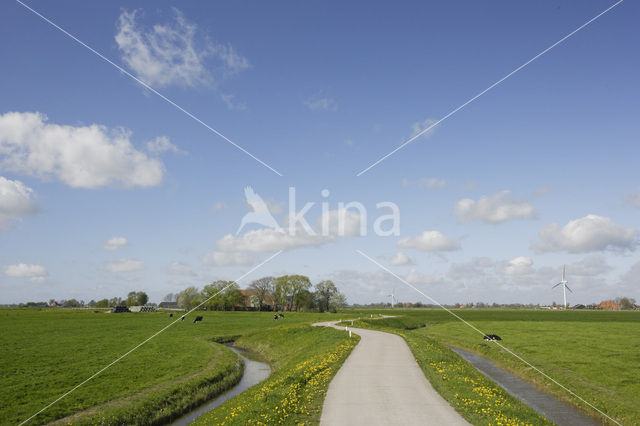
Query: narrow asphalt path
x,y
380,383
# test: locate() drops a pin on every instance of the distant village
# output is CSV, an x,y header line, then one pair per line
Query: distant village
x,y
284,293
250,302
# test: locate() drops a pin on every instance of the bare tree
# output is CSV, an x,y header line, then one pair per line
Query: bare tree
x,y
324,291
189,297
338,301
264,288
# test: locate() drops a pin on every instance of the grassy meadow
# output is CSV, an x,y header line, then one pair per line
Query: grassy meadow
x,y
47,352
304,359
593,353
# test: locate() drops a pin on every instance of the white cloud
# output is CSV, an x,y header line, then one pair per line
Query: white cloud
x,y
590,266
16,199
232,103
342,223
400,259
22,270
475,268
271,240
431,183
519,266
429,241
498,208
416,277
162,144
125,265
630,280
421,126
219,258
115,243
321,104
363,286
179,268
268,240
233,61
173,53
586,234
82,157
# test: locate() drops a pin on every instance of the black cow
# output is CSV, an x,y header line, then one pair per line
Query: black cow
x,y
198,319
281,315
492,337
275,317
170,315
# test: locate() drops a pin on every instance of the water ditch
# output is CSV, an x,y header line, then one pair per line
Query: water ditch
x,y
545,404
254,373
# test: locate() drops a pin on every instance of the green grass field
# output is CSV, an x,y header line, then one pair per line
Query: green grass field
x,y
593,353
47,352
305,359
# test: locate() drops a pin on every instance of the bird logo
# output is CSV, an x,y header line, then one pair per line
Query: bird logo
x,y
260,214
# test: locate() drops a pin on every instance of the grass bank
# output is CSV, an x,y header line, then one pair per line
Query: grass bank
x,y
49,351
590,352
597,360
479,400
304,359
163,403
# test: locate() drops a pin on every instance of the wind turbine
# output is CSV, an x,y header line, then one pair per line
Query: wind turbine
x,y
564,285
393,297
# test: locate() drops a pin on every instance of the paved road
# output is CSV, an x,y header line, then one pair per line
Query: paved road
x,y
381,384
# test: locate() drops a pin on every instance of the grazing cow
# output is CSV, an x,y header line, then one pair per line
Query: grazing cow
x,y
182,319
198,319
170,315
281,315
275,317
492,337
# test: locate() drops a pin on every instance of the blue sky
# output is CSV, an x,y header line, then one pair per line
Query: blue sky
x,y
539,172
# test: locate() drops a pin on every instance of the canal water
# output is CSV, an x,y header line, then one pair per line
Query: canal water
x,y
254,373
547,405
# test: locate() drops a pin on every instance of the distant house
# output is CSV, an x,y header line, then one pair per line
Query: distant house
x,y
173,305
53,303
251,301
578,306
609,305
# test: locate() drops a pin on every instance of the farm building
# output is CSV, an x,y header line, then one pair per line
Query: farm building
x,y
251,300
609,305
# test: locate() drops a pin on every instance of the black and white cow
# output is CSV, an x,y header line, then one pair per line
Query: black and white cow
x,y
492,337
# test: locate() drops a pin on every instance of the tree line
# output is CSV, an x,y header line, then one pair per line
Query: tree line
x,y
284,293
